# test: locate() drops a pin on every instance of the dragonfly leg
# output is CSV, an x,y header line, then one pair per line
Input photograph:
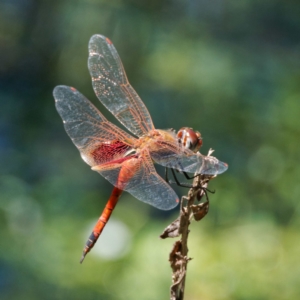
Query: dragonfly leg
x,y
187,185
192,177
189,177
182,184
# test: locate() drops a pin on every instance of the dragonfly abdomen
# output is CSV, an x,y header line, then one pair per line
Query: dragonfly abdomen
x,y
115,195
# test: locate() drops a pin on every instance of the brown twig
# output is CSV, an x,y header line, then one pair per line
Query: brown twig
x,y
179,254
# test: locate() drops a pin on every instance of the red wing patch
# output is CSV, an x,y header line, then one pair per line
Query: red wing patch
x,y
110,151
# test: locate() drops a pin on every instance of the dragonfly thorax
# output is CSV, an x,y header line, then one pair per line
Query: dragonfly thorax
x,y
189,138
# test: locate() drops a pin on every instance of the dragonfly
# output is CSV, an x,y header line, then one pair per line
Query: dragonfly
x,y
126,160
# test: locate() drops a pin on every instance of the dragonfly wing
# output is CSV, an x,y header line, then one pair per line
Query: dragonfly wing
x,y
89,130
112,88
173,155
199,164
138,176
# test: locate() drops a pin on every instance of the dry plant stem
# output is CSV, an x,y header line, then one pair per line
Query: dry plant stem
x,y
179,255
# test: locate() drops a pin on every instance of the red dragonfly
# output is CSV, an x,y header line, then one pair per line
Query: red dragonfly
x,y
124,160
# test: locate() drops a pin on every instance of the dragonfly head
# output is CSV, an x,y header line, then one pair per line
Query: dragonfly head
x,y
189,138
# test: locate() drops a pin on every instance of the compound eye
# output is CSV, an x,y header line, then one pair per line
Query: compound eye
x,y
180,133
189,138
199,144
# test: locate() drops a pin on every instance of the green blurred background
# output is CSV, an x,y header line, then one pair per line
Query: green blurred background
x,y
227,68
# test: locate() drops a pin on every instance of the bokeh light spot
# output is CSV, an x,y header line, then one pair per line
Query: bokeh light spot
x,y
114,242
266,164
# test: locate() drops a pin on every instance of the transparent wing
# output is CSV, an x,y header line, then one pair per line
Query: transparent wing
x,y
138,176
97,139
197,164
113,89
171,154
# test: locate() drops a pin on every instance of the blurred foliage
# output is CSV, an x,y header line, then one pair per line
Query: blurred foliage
x,y
227,68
